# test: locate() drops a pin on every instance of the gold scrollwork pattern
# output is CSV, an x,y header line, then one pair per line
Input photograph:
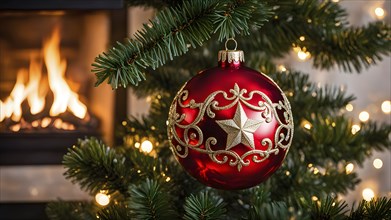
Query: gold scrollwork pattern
x,y
193,137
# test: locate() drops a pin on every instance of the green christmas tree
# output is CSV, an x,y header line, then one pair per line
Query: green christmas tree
x,y
183,39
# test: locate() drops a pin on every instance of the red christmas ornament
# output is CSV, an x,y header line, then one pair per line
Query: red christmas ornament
x,y
230,127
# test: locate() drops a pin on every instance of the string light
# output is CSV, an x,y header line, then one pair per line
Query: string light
x,y
146,146
306,124
102,199
282,68
137,145
314,198
379,12
349,107
386,107
302,54
363,116
349,168
377,163
368,194
355,129
302,38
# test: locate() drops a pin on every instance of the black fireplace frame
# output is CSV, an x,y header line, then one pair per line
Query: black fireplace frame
x,y
60,4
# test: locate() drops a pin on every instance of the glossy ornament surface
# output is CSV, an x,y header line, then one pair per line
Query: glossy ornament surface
x,y
230,126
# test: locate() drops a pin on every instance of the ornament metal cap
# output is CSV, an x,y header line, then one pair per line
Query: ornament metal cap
x,y
231,55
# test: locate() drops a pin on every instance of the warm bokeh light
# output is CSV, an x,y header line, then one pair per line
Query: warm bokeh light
x,y
386,107
349,168
368,194
355,129
307,126
363,116
303,55
378,163
281,68
379,12
302,38
146,146
137,145
349,107
102,199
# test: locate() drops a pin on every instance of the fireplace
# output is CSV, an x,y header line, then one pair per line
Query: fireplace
x,y
47,94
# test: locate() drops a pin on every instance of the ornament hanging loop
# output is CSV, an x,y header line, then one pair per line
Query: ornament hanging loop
x,y
231,39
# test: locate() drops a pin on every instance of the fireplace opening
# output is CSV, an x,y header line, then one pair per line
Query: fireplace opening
x,y
47,94
43,99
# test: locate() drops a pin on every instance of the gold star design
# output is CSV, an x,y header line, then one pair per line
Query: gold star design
x,y
240,129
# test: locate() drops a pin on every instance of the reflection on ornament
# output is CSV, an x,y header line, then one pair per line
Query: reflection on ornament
x,y
377,163
386,107
102,199
146,146
379,12
349,168
363,116
368,194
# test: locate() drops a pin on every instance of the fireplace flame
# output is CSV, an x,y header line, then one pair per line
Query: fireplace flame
x,y
36,89
64,97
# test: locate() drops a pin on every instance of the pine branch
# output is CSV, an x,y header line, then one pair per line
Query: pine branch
x,y
150,200
97,167
328,209
333,139
292,19
307,97
237,17
263,208
117,211
169,35
66,210
379,208
204,206
328,37
351,48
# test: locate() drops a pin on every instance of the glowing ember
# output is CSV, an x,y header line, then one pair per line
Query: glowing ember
x,y
31,85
